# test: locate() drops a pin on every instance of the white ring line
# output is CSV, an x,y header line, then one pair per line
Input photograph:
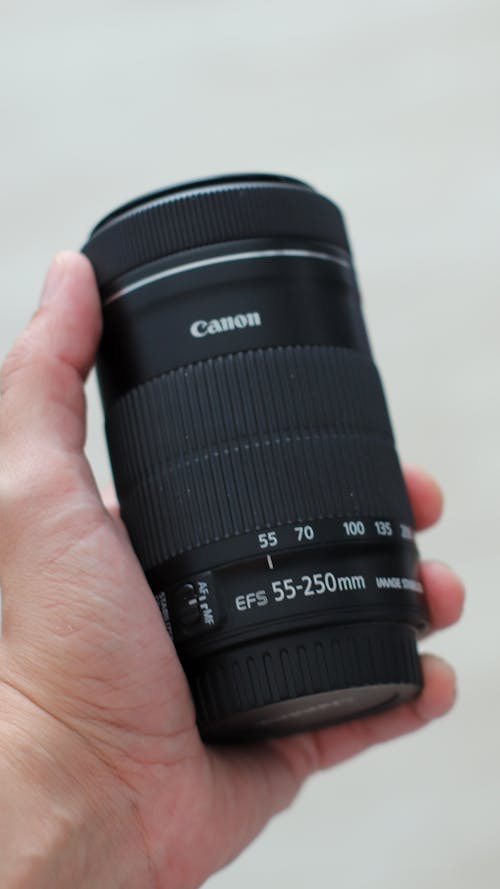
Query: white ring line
x,y
231,257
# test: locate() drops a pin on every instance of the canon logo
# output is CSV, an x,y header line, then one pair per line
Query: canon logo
x,y
223,325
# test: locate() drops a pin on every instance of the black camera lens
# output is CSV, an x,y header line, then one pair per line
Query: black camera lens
x,y
253,455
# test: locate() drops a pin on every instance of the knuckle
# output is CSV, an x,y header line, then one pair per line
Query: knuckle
x,y
35,491
14,491
10,501
16,360
29,481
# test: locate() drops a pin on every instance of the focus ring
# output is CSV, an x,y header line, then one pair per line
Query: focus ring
x,y
310,662
253,440
197,218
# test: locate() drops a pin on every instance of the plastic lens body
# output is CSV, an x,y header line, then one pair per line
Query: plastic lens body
x,y
253,455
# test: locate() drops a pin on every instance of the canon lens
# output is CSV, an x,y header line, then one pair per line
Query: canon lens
x,y
253,455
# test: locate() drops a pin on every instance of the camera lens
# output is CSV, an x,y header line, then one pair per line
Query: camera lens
x,y
253,455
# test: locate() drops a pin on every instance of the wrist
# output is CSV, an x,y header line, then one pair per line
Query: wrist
x,y
65,818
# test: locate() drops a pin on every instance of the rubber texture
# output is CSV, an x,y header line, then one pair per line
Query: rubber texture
x,y
309,662
249,441
211,215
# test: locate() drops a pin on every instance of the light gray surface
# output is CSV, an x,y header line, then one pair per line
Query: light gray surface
x,y
392,108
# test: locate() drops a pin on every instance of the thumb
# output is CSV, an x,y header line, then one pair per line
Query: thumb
x,y
42,401
41,378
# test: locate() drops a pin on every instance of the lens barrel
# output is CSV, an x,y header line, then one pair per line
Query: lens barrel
x,y
253,455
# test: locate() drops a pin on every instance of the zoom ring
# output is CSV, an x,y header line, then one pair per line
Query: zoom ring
x,y
249,441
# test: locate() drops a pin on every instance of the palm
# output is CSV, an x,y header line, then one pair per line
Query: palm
x,y
75,595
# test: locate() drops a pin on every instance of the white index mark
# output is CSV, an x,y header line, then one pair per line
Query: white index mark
x,y
270,562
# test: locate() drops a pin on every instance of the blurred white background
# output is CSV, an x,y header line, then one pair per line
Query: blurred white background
x,y
393,109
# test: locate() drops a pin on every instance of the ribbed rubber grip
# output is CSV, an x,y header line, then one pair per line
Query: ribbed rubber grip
x,y
264,673
211,215
250,441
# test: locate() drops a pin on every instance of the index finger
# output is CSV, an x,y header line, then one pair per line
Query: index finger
x,y
426,497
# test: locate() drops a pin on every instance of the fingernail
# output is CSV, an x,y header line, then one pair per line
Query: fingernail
x,y
53,278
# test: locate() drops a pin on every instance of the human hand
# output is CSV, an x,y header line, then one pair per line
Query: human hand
x,y
104,779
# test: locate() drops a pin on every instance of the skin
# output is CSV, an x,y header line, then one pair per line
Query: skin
x,y
104,781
